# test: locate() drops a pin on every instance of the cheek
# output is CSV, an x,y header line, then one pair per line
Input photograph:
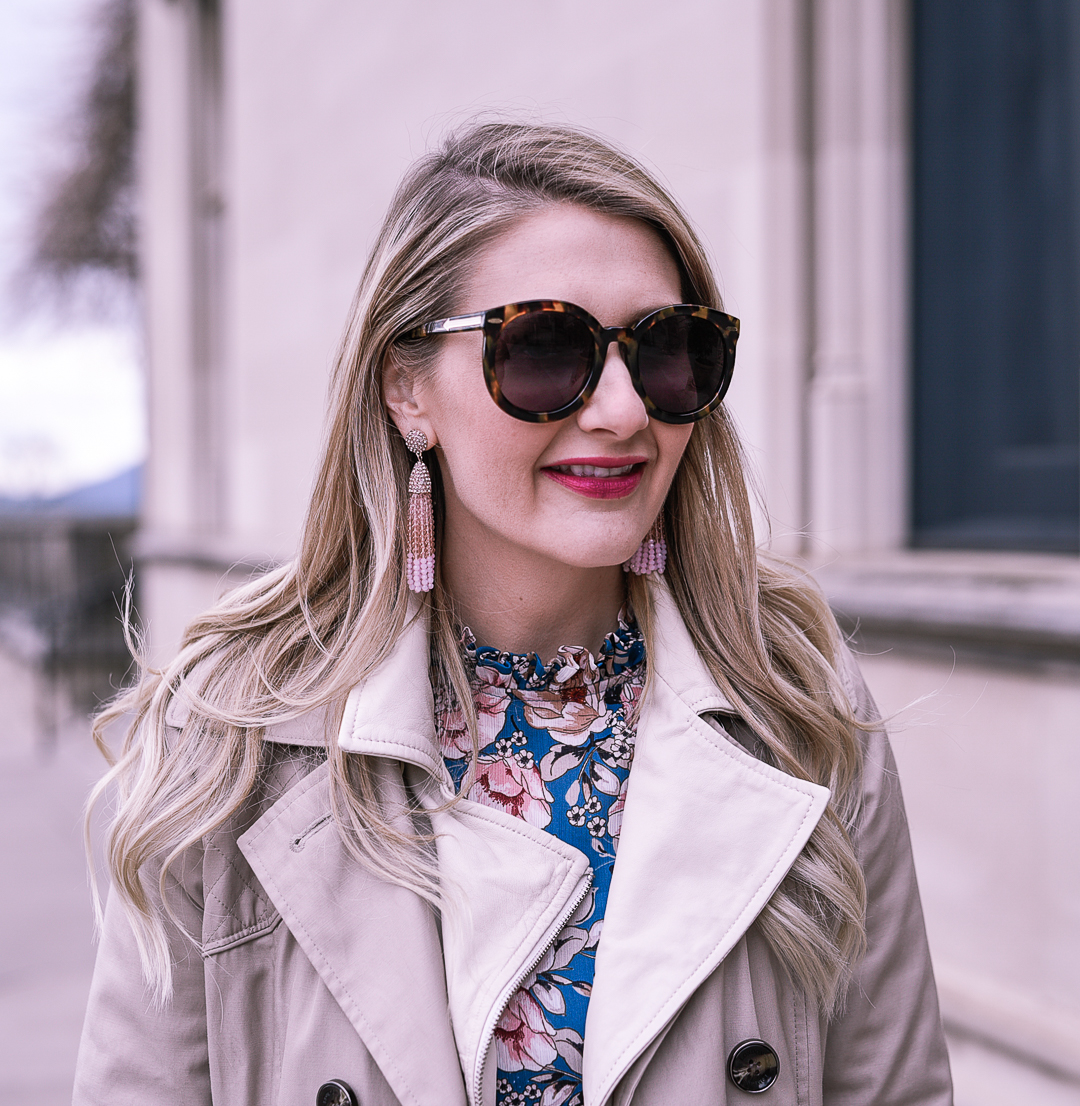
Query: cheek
x,y
486,458
481,464
672,442
455,401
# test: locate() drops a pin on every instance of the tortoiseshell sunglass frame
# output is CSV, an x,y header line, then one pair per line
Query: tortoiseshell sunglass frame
x,y
492,321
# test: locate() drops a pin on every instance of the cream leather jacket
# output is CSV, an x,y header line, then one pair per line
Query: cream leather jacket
x,y
310,969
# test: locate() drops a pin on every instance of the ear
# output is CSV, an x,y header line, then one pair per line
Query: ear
x,y
404,400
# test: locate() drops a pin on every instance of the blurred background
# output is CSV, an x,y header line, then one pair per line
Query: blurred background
x,y
890,190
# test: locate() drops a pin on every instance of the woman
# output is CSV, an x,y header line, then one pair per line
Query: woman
x,y
454,808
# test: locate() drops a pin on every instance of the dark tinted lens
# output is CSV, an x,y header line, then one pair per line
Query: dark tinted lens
x,y
681,363
542,360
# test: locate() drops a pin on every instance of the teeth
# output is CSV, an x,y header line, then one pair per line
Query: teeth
x,y
594,470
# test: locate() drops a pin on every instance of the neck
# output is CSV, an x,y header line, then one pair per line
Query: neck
x,y
537,607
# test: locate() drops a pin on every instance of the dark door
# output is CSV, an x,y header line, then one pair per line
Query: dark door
x,y
996,319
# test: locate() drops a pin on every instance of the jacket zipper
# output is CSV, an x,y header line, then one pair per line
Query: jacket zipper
x,y
478,1084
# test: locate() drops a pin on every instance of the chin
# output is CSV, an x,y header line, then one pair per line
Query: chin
x,y
596,559
588,546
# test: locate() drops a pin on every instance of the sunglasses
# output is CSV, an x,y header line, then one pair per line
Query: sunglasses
x,y
543,358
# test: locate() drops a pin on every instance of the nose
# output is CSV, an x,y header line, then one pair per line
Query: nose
x,y
615,406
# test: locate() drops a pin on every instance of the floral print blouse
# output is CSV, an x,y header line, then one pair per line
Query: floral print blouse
x,y
556,743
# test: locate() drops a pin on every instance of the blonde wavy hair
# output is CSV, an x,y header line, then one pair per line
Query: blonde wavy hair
x,y
301,636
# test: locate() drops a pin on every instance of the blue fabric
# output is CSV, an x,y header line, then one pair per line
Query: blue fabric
x,y
557,742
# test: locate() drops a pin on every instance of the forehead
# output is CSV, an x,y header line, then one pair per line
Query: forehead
x,y
616,267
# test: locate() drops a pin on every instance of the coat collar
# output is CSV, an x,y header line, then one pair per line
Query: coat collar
x,y
708,834
392,712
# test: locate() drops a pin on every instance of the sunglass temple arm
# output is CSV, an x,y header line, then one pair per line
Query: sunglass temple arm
x,y
449,326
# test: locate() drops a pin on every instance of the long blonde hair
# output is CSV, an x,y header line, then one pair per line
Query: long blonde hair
x,y
300,636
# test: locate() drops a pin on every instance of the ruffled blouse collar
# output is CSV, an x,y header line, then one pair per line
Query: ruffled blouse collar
x,y
622,653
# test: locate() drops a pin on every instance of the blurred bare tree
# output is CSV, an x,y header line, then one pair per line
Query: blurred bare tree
x,y
64,562
83,249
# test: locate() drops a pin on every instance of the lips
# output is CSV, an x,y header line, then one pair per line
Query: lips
x,y
598,477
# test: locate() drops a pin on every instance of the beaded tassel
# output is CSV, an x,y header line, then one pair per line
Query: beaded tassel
x,y
420,537
651,554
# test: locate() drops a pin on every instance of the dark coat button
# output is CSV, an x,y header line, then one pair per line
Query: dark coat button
x,y
753,1066
335,1093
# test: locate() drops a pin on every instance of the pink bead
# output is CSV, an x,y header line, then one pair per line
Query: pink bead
x,y
649,557
420,573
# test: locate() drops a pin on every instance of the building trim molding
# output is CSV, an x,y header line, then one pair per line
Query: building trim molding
x,y
986,607
207,555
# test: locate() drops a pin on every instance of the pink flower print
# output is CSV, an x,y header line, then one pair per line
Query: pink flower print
x,y
572,708
491,703
507,784
572,721
524,1038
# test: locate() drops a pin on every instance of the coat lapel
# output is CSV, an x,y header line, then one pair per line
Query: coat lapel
x,y
708,834
375,945
508,888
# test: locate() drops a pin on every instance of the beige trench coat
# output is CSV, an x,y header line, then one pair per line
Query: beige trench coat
x,y
309,968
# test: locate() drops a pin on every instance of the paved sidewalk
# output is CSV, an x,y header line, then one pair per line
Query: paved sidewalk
x,y
46,923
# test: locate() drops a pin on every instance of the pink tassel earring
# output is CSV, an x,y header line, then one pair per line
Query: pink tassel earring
x,y
651,554
420,536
